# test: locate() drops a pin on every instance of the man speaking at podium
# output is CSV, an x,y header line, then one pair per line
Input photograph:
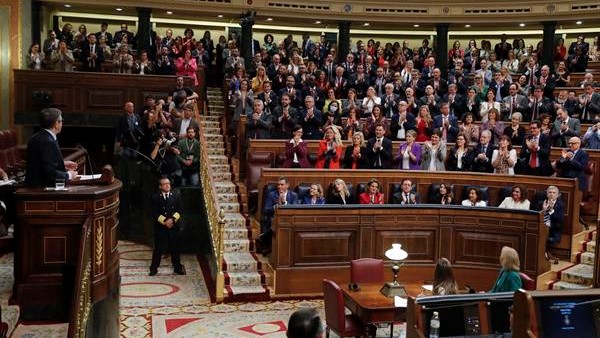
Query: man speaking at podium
x,y
45,163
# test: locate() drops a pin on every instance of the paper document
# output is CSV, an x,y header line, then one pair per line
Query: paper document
x,y
89,177
400,302
7,182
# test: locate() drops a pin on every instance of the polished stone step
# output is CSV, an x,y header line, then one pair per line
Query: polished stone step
x,y
235,233
244,278
227,198
236,245
240,262
224,188
218,159
561,285
587,258
578,274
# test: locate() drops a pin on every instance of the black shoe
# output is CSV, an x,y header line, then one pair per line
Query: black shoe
x,y
153,272
550,257
179,270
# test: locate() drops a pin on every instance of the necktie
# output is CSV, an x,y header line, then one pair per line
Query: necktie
x,y
445,128
533,157
407,196
535,110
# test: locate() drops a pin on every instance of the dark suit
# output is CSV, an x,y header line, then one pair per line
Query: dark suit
x,y
380,158
574,168
260,128
409,124
271,204
400,198
389,104
91,65
483,166
452,131
442,88
45,164
556,220
361,163
165,239
543,167
466,160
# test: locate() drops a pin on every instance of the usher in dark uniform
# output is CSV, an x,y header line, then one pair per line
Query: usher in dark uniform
x,y
166,205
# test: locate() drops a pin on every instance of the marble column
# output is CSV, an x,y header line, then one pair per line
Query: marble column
x,y
548,44
441,48
343,47
246,23
143,30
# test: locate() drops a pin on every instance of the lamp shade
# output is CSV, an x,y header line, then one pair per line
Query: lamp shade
x,y
396,253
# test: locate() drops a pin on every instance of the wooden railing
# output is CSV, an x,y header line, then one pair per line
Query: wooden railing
x,y
82,297
422,180
86,99
316,242
214,217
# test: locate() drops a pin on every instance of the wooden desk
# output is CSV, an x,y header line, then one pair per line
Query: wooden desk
x,y
371,306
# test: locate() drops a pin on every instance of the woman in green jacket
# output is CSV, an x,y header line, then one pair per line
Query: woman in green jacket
x,y
508,280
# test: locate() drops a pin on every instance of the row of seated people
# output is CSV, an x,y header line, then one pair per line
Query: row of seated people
x,y
404,193
361,89
433,155
279,123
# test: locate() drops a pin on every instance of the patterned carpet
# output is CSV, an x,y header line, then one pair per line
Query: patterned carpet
x,y
170,306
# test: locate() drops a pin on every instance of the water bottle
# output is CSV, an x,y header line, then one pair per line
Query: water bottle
x,y
434,325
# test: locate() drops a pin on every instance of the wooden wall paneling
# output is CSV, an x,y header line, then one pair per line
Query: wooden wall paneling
x,y
324,250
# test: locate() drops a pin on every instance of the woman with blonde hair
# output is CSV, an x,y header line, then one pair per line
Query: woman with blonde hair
x,y
339,193
260,78
330,149
315,195
509,279
424,123
355,155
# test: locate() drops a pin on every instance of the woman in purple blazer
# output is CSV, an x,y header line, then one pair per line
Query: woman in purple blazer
x,y
296,153
409,153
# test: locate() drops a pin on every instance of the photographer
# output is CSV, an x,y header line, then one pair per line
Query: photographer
x,y
165,153
129,132
591,139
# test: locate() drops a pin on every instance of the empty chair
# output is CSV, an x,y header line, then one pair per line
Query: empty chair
x,y
527,282
335,317
367,270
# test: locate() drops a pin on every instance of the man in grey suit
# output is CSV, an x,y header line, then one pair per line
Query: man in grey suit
x,y
513,103
565,127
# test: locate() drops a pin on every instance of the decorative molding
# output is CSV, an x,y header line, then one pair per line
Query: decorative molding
x,y
99,246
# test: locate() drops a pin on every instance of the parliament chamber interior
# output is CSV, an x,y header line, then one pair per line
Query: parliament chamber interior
x,y
221,168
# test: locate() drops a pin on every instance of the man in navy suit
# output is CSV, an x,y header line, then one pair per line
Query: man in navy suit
x,y
91,55
446,123
483,153
573,161
45,163
281,196
535,155
166,213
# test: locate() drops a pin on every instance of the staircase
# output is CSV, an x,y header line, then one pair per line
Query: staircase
x,y
580,273
244,278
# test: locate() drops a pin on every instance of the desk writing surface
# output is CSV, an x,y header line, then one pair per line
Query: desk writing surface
x,y
370,297
77,190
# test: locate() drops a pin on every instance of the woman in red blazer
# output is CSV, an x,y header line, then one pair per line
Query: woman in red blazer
x,y
330,150
372,195
296,154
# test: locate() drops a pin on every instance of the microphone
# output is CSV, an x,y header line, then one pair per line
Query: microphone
x,y
88,157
